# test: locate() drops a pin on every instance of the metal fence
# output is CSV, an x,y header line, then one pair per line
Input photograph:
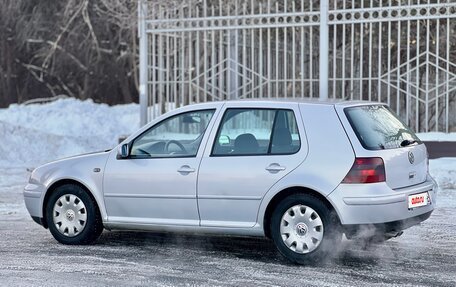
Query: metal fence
x,y
399,52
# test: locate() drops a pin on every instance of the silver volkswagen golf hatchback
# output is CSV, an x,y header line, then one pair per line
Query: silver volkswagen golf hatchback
x,y
301,173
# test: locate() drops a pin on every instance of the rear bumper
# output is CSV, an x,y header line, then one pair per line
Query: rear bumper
x,y
358,204
393,227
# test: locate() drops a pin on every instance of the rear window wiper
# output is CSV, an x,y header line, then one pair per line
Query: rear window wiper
x,y
407,142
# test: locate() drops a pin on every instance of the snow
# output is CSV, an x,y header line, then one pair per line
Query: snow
x,y
444,172
35,134
437,136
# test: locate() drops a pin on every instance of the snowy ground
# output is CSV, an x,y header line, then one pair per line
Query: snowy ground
x,y
31,135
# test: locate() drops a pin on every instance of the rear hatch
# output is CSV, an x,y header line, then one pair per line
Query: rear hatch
x,y
380,133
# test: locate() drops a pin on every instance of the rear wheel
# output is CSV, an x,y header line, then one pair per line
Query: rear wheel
x,y
73,216
304,229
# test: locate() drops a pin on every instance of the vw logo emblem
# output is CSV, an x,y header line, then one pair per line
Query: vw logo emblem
x,y
411,157
301,229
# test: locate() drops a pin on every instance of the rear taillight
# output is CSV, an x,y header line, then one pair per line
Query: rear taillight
x,y
366,170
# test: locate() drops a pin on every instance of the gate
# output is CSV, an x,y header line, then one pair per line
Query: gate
x,y
397,52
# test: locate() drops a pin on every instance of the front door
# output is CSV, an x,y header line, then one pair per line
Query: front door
x,y
156,184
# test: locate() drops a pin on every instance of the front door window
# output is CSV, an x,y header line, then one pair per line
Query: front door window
x,y
178,136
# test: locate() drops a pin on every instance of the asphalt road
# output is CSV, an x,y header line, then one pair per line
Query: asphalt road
x,y
441,149
424,256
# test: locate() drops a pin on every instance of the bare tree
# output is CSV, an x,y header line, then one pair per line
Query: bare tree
x,y
84,49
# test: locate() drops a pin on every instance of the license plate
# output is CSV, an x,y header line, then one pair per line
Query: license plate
x,y
419,199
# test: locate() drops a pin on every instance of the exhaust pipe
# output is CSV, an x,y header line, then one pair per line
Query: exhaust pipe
x,y
393,234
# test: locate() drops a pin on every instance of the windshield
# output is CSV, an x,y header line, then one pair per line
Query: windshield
x,y
377,127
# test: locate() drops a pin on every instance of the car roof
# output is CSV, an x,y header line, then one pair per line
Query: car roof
x,y
272,101
307,101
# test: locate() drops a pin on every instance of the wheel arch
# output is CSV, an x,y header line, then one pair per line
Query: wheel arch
x,y
59,183
278,197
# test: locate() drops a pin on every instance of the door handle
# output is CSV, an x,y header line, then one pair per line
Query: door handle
x,y
275,167
185,169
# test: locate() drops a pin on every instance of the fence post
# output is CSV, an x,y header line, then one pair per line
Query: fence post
x,y
324,50
233,66
143,62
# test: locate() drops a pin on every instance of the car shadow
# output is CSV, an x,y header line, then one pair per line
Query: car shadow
x,y
253,248
248,248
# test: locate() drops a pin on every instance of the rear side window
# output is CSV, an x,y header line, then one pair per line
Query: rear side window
x,y
377,127
257,132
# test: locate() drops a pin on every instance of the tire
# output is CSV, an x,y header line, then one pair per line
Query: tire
x,y
73,216
304,229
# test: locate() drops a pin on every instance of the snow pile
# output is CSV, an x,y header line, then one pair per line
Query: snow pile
x,y
444,172
437,136
35,134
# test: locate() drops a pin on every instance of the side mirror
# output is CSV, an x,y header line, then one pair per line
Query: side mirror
x,y
123,151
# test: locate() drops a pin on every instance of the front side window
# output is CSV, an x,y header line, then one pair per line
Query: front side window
x,y
257,132
178,136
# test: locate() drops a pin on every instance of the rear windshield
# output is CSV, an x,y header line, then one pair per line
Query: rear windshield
x,y
377,127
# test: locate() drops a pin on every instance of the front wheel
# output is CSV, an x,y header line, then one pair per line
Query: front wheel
x,y
73,216
304,229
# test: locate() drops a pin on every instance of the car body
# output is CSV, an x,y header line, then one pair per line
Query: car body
x,y
230,167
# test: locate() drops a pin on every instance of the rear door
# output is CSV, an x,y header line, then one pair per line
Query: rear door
x,y
375,131
252,148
